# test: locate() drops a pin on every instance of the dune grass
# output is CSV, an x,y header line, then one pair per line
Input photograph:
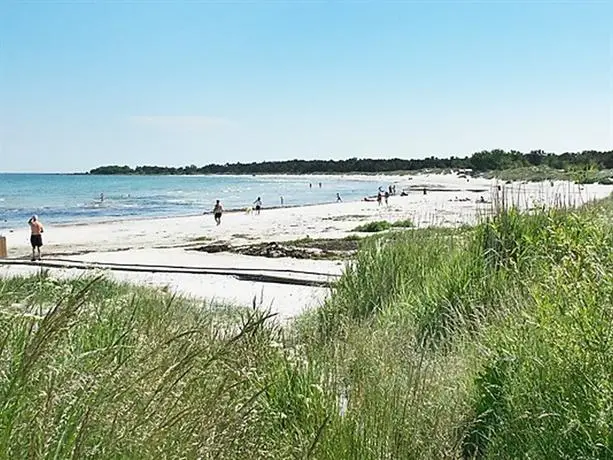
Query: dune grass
x,y
488,342
95,369
516,312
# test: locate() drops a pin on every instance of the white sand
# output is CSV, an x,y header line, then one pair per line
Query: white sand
x,y
147,241
286,300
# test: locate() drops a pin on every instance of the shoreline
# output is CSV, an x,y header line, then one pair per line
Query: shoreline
x,y
392,178
101,210
118,219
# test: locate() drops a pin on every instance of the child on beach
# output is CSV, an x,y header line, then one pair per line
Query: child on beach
x,y
217,211
36,237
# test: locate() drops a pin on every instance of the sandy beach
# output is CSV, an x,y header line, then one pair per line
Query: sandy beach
x,y
451,200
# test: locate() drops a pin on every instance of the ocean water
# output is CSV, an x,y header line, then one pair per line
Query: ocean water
x,y
65,199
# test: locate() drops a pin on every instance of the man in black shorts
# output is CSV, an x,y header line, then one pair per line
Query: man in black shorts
x,y
36,237
217,211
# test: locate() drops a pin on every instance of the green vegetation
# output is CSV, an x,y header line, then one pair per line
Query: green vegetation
x,y
582,175
490,342
94,369
382,225
406,223
372,227
494,160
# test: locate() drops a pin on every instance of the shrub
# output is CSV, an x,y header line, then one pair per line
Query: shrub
x,y
372,227
406,223
382,225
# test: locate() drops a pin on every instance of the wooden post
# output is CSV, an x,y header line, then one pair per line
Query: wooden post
x,y
3,251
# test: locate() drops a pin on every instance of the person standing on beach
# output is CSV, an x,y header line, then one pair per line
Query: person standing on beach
x,y
258,205
387,196
379,197
281,200
36,236
217,211
338,198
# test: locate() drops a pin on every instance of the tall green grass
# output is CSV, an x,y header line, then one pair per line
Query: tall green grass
x,y
486,342
94,369
519,310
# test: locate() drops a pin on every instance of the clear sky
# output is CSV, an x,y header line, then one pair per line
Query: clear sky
x,y
175,83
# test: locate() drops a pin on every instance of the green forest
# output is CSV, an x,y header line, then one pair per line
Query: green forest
x,y
492,160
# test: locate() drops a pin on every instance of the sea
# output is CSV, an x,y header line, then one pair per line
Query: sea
x,y
72,198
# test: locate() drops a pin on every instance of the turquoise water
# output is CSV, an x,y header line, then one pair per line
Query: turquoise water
x,y
62,199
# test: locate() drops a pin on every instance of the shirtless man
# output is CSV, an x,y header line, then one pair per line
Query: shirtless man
x,y
217,210
36,237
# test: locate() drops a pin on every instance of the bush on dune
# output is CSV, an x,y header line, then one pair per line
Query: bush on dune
x,y
372,227
382,225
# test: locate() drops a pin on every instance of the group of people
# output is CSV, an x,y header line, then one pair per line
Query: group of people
x,y
381,196
384,194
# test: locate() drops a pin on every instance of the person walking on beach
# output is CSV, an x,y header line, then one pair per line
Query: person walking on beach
x,y
217,211
387,197
379,197
36,236
258,205
338,198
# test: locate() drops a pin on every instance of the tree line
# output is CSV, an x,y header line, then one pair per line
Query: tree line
x,y
487,160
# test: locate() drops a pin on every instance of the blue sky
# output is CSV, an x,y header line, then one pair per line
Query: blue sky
x,y
174,83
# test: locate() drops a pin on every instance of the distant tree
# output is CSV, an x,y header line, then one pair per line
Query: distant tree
x,y
486,160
